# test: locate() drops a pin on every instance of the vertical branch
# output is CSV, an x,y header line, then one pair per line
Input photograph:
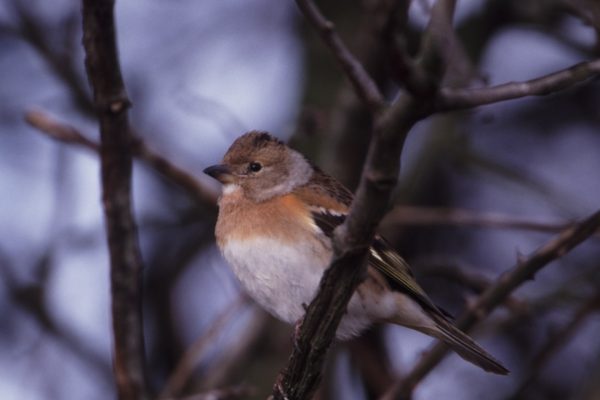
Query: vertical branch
x,y
111,103
351,242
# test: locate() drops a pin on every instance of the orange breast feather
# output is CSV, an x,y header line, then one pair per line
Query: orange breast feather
x,y
286,218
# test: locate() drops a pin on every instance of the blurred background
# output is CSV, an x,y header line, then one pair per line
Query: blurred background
x,y
199,74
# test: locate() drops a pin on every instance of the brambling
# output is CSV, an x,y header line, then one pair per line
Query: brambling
x,y
277,214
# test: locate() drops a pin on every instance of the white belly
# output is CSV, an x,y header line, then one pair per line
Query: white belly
x,y
279,277
282,278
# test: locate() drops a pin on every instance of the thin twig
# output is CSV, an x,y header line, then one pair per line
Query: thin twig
x,y
62,132
68,134
475,282
363,84
112,104
456,99
556,341
60,63
192,355
524,270
350,124
430,216
241,354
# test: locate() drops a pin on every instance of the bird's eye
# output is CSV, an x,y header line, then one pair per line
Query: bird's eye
x,y
254,167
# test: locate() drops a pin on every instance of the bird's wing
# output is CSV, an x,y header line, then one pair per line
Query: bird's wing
x,y
328,201
398,273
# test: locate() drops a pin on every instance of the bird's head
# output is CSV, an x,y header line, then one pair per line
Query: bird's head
x,y
262,166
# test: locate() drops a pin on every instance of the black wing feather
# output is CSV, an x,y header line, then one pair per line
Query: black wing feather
x,y
383,258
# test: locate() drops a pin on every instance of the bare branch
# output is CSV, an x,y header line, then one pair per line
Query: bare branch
x,y
419,216
456,99
60,63
58,130
557,340
469,279
436,48
350,121
300,378
68,134
240,355
352,239
191,357
111,103
351,242
365,86
497,294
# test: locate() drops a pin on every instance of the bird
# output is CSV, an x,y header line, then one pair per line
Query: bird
x,y
277,214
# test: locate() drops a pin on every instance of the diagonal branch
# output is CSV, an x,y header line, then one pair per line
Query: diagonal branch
x,y
497,294
456,99
191,357
301,376
299,379
363,84
111,104
68,134
61,63
58,130
557,341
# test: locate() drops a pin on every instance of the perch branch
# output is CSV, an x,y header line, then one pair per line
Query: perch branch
x,y
300,378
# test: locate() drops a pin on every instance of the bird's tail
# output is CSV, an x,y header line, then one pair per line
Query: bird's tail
x,y
465,347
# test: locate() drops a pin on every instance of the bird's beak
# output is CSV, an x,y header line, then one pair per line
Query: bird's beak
x,y
220,172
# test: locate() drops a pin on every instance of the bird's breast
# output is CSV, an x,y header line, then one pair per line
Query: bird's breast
x,y
274,250
279,255
281,277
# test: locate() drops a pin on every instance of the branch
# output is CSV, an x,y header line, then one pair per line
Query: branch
x,y
556,341
58,130
111,104
456,99
350,121
61,62
299,379
363,84
475,282
68,134
240,356
436,48
301,376
497,294
192,355
419,216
